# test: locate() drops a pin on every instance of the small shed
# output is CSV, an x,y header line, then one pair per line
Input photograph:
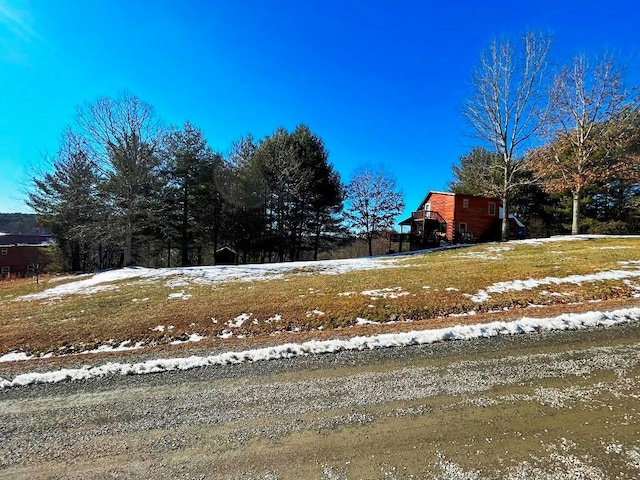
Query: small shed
x,y
516,227
226,256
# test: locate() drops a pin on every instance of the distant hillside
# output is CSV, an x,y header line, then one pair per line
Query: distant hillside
x,y
20,223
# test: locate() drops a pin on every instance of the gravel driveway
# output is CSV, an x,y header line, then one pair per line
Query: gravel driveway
x,y
528,406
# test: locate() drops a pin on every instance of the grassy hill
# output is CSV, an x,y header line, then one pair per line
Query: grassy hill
x,y
210,307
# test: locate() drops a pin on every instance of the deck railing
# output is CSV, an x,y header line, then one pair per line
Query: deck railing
x,y
427,215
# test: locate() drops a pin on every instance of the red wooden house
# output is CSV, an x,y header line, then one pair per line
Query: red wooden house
x,y
22,255
452,217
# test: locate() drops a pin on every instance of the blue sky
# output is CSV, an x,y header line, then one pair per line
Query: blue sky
x,y
380,82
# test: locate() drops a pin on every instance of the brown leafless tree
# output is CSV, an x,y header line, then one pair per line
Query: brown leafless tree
x,y
374,203
125,134
507,107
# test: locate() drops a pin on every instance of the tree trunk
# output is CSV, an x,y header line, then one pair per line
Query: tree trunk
x,y
575,222
168,252
316,239
75,256
504,236
370,240
184,239
128,241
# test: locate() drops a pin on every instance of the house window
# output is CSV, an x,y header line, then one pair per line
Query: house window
x,y
31,269
463,227
465,203
492,208
3,251
5,271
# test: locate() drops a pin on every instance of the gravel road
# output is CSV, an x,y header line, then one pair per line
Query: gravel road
x,y
374,414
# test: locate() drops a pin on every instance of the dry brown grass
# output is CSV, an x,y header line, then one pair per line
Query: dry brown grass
x,y
424,289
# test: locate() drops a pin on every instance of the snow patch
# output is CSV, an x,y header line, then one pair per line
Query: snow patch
x,y
182,295
122,347
531,283
239,320
194,337
15,357
385,293
185,276
364,321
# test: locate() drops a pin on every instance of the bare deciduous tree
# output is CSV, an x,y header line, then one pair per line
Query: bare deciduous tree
x,y
125,135
508,107
590,123
374,203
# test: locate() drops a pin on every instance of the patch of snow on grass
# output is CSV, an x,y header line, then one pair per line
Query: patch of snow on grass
x,y
15,357
239,320
630,263
364,321
531,283
184,276
122,347
92,284
500,249
194,337
182,295
470,313
385,293
482,255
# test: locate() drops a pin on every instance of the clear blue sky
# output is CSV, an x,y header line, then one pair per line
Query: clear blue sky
x,y
382,82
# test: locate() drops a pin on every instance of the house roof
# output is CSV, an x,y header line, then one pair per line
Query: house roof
x,y
226,249
429,193
9,240
512,217
432,192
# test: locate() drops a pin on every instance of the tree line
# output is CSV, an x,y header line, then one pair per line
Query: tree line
x,y
560,147
124,190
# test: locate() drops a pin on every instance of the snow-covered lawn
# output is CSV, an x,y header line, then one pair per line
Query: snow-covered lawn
x,y
182,276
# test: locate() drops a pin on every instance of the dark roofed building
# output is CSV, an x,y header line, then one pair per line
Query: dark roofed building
x,y
22,255
226,256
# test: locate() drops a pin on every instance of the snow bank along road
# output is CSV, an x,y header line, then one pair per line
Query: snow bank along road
x,y
552,404
571,321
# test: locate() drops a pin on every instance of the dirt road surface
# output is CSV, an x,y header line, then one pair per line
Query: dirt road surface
x,y
552,405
